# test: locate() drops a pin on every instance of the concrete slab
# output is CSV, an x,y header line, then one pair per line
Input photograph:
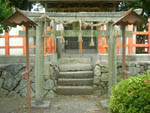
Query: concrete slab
x,y
104,103
74,90
45,104
78,74
75,67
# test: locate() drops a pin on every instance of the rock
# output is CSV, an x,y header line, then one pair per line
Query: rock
x,y
133,65
137,65
3,92
104,103
32,78
142,69
133,70
119,70
97,70
9,83
148,67
33,86
104,69
46,77
147,71
51,72
119,64
21,85
104,77
1,82
32,93
14,68
97,80
19,75
6,74
49,84
50,94
24,92
13,94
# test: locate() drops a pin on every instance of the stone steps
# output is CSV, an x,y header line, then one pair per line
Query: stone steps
x,y
74,60
75,67
77,74
75,82
70,55
74,90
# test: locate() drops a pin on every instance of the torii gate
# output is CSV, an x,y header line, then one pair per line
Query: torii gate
x,y
110,33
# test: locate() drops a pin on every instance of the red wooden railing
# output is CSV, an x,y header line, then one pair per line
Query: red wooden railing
x,y
102,46
48,48
49,43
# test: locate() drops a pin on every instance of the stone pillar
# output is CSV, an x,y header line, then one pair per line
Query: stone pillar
x,y
39,64
76,26
112,56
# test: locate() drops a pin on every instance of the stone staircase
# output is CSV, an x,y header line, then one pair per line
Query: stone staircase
x,y
75,77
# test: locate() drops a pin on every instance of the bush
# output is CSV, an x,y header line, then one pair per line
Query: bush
x,y
131,95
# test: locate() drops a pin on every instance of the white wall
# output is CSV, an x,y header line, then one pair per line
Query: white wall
x,y
13,42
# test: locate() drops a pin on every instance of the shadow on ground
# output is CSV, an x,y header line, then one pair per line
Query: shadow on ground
x,y
60,104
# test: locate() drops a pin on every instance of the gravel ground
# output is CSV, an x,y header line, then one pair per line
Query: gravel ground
x,y
60,104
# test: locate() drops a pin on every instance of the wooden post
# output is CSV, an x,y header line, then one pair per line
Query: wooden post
x,y
112,66
24,43
130,40
102,42
28,71
123,52
149,38
39,64
6,43
49,45
118,45
53,46
99,45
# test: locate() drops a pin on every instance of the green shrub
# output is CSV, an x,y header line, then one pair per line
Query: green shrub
x,y
131,95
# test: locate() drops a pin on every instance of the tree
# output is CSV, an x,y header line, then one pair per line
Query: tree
x,y
137,4
144,6
5,11
21,4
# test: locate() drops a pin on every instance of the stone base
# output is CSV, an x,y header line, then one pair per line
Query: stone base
x,y
45,104
104,103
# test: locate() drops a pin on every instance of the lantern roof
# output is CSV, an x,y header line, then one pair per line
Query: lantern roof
x,y
131,17
18,18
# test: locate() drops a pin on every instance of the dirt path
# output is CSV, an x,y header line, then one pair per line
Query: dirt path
x,y
60,104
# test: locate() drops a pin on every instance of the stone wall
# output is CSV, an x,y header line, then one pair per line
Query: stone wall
x,y
13,84
101,73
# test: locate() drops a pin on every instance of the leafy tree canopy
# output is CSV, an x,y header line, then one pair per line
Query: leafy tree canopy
x,y
21,4
137,4
5,11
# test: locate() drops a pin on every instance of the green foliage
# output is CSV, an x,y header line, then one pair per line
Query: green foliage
x,y
131,95
5,11
137,4
21,4
144,5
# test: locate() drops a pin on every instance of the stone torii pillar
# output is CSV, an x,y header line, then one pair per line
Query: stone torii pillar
x,y
39,68
112,58
39,64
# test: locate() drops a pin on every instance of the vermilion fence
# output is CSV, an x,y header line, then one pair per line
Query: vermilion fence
x,y
49,44
102,43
